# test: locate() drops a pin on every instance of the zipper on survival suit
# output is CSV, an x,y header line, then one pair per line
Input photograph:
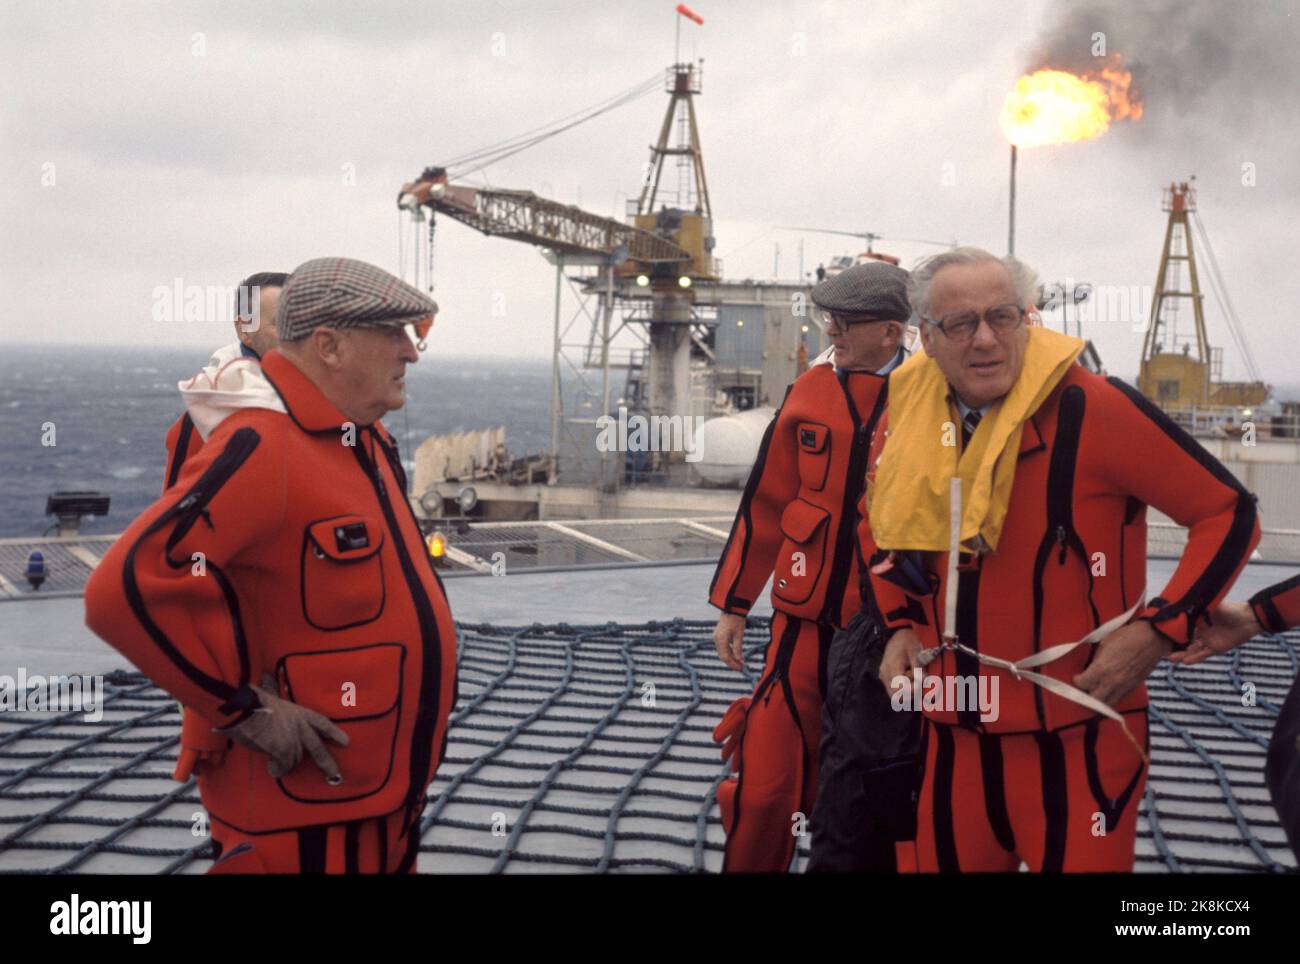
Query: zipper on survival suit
x,y
780,672
426,719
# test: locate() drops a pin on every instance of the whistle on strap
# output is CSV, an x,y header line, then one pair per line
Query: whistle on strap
x,y
924,657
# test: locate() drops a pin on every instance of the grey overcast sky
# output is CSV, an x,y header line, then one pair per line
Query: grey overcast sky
x,y
204,141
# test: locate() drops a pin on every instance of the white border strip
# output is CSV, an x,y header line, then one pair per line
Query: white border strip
x,y
707,530
592,540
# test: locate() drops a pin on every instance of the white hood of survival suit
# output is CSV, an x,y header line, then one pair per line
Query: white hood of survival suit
x,y
231,381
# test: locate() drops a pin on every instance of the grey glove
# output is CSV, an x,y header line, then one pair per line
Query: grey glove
x,y
283,730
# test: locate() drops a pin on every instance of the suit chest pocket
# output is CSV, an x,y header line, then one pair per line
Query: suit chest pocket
x,y
814,454
342,572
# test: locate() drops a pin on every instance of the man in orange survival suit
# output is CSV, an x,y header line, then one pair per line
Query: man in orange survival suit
x,y
1057,466
232,380
1274,609
281,590
795,525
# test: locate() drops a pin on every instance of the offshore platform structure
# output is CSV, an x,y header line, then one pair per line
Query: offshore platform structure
x,y
1180,370
651,306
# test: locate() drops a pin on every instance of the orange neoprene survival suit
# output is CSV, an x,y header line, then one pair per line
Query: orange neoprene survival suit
x,y
1048,781
200,745
286,547
795,525
1277,609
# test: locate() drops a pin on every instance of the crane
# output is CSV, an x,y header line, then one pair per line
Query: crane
x,y
667,248
524,216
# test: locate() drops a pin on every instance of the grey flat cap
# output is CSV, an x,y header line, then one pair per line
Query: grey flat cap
x,y
345,293
872,288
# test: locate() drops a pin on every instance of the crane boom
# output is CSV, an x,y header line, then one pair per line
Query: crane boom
x,y
523,216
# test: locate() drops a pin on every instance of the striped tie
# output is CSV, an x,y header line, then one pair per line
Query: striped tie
x,y
968,426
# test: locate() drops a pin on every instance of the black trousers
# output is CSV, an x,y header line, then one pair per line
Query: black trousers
x,y
869,760
1282,769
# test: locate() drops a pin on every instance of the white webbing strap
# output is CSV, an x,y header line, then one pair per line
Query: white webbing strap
x,y
1020,668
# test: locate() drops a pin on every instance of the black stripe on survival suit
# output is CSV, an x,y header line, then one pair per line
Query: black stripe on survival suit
x,y
1111,810
311,849
1056,800
1264,603
1232,552
746,497
186,511
995,793
182,446
1060,532
846,539
945,833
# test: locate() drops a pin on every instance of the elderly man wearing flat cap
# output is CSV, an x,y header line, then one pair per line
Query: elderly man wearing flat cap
x,y
795,525
281,590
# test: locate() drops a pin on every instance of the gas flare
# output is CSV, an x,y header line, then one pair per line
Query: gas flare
x,y
1055,107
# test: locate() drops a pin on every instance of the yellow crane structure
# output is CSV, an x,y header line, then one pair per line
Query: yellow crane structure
x,y
1181,370
690,228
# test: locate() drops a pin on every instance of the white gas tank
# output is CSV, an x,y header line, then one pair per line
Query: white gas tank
x,y
729,445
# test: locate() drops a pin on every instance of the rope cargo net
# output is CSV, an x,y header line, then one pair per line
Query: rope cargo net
x,y
588,749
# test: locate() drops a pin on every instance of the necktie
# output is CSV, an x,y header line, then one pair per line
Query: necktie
x,y
968,426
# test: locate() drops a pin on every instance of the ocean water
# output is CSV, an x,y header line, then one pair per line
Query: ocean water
x,y
110,409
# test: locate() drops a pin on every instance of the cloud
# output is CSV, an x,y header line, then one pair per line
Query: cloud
x,y
860,116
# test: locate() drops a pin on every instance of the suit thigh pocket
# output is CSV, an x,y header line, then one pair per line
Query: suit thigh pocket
x,y
359,690
803,553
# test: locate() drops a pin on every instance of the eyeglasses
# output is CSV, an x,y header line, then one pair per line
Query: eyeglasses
x,y
961,327
416,331
832,322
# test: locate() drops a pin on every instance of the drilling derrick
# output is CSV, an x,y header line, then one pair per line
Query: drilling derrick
x,y
1179,368
685,218
652,301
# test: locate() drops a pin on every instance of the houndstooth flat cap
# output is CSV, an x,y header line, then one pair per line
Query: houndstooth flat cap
x,y
873,288
345,293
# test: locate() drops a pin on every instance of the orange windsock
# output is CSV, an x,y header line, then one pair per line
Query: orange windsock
x,y
687,12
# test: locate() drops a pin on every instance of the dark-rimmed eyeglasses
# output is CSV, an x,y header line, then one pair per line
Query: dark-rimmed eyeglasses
x,y
832,321
961,326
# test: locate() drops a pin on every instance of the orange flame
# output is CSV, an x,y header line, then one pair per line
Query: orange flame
x,y
1055,107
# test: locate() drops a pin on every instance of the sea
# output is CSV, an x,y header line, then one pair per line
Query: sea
x,y
110,409
96,418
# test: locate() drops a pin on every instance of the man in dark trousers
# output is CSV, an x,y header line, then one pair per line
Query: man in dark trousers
x,y
1272,610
